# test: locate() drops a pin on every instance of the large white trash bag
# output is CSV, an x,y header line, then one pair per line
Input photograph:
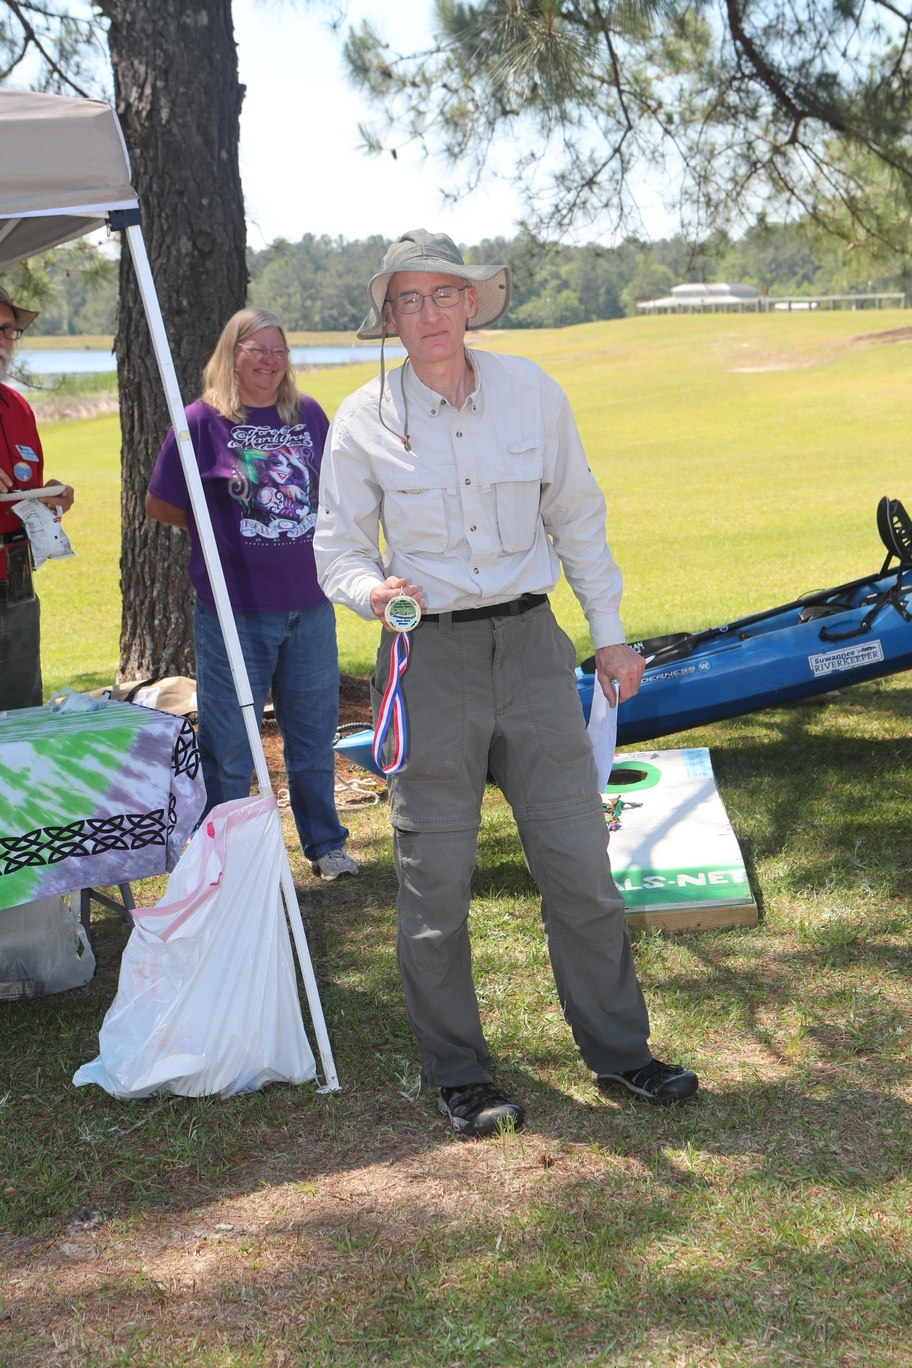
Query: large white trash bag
x,y
43,949
207,1000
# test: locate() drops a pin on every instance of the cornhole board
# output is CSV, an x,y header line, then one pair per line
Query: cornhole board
x,y
676,859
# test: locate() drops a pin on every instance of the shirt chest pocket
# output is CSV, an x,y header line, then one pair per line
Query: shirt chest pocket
x,y
414,513
517,494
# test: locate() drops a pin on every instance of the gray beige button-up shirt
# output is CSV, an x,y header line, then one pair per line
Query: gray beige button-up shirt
x,y
487,505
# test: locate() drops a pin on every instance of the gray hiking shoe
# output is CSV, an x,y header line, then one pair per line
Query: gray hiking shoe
x,y
477,1110
655,1082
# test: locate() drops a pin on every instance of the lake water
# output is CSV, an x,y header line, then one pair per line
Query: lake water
x,y
51,362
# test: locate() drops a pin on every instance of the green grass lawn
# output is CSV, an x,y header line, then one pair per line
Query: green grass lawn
x,y
80,597
767,1223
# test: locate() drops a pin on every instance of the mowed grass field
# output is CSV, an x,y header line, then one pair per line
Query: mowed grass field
x,y
767,1223
741,457
80,597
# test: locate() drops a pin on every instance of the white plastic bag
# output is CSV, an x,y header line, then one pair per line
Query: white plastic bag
x,y
45,531
69,701
43,949
602,732
207,1000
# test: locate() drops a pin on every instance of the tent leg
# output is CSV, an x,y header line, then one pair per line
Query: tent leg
x,y
226,620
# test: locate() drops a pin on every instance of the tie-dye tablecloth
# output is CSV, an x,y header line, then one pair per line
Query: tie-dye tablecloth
x,y
92,799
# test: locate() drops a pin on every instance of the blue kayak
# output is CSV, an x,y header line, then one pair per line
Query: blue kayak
x,y
822,641
742,668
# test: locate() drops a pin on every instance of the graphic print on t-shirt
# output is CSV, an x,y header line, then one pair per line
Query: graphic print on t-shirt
x,y
275,481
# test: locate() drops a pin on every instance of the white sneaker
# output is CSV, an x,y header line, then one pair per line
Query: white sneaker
x,y
334,864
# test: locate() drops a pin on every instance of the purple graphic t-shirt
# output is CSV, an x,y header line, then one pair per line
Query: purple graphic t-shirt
x,y
261,479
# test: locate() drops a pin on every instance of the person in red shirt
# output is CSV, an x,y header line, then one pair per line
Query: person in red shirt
x,y
21,467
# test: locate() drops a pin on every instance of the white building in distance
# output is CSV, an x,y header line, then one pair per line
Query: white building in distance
x,y
700,298
723,297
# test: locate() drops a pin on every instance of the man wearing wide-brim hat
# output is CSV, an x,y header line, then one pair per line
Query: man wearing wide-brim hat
x,y
472,465
21,468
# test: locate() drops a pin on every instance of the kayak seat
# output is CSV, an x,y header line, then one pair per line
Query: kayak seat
x,y
895,528
812,612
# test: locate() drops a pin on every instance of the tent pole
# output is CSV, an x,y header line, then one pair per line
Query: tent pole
x,y
226,619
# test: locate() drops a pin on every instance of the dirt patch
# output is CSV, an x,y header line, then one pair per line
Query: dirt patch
x,y
759,356
824,352
878,339
354,701
275,1256
774,366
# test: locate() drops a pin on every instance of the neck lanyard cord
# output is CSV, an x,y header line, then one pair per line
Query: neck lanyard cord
x,y
403,436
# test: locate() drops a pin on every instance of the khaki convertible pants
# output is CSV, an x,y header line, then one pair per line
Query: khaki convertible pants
x,y
501,693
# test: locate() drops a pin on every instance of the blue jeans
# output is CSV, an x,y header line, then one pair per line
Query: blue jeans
x,y
294,654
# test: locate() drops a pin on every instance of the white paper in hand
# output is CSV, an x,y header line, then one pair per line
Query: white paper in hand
x,y
602,732
45,532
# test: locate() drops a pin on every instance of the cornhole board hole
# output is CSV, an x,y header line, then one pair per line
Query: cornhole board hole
x,y
675,858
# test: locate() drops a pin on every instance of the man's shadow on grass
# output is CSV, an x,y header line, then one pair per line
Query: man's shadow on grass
x,y
832,1121
774,985
808,1130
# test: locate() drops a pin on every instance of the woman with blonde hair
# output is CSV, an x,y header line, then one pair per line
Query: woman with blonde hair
x,y
259,443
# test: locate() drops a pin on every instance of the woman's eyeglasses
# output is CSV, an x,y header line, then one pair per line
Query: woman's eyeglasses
x,y
11,333
412,302
260,353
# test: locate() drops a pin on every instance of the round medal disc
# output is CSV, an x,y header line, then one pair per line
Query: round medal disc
x,y
402,613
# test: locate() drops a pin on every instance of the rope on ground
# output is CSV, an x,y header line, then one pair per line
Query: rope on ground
x,y
357,792
350,793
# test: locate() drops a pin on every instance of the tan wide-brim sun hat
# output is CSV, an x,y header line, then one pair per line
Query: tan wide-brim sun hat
x,y
436,254
22,316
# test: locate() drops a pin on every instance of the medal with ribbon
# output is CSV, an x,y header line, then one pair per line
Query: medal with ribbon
x,y
401,614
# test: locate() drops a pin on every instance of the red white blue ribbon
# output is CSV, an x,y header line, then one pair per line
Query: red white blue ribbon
x,y
391,717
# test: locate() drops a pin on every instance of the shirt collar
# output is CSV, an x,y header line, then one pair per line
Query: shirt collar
x,y
434,403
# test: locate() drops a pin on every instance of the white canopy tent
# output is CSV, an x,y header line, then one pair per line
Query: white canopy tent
x,y
64,171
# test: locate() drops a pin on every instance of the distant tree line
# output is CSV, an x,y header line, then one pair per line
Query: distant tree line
x,y
319,283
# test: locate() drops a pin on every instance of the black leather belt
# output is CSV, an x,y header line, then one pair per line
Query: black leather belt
x,y
19,535
511,609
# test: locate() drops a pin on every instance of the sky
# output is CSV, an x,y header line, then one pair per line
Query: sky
x,y
301,163
302,167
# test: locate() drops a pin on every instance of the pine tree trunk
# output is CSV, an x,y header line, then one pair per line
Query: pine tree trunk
x,y
179,102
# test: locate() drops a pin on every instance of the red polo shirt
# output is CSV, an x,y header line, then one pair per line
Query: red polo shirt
x,y
20,450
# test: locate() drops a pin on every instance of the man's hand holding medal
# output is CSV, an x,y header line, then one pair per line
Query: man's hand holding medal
x,y
383,596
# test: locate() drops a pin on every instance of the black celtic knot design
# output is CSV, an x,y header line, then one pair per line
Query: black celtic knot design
x,y
91,836
186,758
